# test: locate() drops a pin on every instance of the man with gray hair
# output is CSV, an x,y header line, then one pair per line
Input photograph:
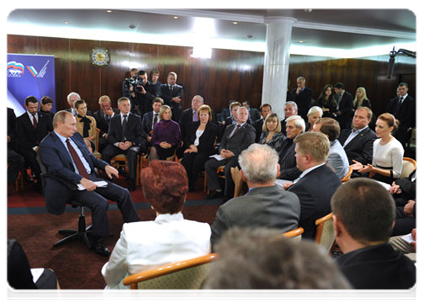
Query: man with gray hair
x,y
72,97
302,95
290,109
265,204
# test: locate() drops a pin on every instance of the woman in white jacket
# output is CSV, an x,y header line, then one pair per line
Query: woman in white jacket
x,y
169,238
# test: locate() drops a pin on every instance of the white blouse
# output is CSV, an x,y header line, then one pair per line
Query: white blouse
x,y
198,134
388,156
148,244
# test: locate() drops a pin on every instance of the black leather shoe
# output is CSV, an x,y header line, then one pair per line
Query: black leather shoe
x,y
214,195
100,248
131,186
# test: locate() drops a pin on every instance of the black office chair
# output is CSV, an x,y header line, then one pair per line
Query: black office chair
x,y
73,234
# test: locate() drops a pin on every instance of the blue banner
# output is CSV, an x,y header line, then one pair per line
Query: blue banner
x,y
29,75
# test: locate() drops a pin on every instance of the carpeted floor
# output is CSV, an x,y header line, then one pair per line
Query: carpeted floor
x,y
75,266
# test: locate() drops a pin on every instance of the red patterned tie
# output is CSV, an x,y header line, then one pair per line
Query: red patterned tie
x,y
34,122
79,165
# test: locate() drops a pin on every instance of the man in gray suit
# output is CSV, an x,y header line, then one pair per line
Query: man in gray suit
x,y
265,204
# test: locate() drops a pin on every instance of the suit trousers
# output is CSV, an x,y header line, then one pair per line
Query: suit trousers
x,y
211,167
96,201
132,153
31,159
15,163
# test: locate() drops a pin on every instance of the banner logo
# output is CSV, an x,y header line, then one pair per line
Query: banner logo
x,y
15,69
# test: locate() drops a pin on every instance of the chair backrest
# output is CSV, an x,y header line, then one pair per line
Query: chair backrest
x,y
239,183
187,274
408,166
295,234
325,232
348,176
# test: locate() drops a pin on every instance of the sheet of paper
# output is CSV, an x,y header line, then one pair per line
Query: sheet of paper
x,y
217,157
100,183
408,238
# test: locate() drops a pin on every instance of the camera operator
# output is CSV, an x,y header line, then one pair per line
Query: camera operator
x,y
127,86
145,92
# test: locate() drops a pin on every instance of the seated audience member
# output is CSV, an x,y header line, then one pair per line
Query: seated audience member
x,y
258,258
31,127
233,118
253,113
358,141
102,118
15,161
72,97
166,136
403,189
387,152
200,144
85,125
265,204
327,101
265,110
46,105
317,182
405,218
271,134
290,109
361,99
295,125
363,215
149,120
169,238
407,248
172,94
125,136
66,157
226,112
236,138
337,158
19,272
314,114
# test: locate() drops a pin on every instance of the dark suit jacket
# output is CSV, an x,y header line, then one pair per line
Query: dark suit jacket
x,y
58,162
253,114
359,148
133,131
288,162
28,136
406,113
147,122
241,140
258,125
102,124
345,106
166,94
378,267
11,129
303,100
207,139
269,207
315,190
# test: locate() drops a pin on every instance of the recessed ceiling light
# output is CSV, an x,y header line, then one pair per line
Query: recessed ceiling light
x,y
300,42
175,17
109,11
66,22
235,22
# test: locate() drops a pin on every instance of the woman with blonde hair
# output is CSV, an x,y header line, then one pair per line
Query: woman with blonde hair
x,y
272,135
361,99
314,113
85,125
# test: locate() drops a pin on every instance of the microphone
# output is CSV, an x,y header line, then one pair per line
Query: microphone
x,y
391,66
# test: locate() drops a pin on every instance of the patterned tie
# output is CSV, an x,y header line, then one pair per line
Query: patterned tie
x,y
124,123
194,116
79,165
34,120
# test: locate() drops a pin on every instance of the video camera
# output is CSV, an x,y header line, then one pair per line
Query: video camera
x,y
134,81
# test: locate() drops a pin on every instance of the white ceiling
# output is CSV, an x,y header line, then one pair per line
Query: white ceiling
x,y
335,31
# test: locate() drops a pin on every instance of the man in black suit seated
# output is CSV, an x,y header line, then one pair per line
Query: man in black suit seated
x,y
302,96
403,108
172,94
145,92
295,125
66,157
344,107
125,136
253,113
103,117
363,216
265,110
265,204
358,142
317,182
31,127
72,97
236,138
290,109
149,120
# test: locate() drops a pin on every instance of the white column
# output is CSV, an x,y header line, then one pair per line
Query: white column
x,y
276,63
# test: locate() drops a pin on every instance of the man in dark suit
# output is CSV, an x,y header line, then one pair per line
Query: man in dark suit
x,y
15,162
233,117
363,215
265,110
317,182
149,120
236,138
265,205
358,142
295,125
253,113
344,107
145,92
103,117
172,94
290,109
302,95
66,157
403,108
125,136
31,127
